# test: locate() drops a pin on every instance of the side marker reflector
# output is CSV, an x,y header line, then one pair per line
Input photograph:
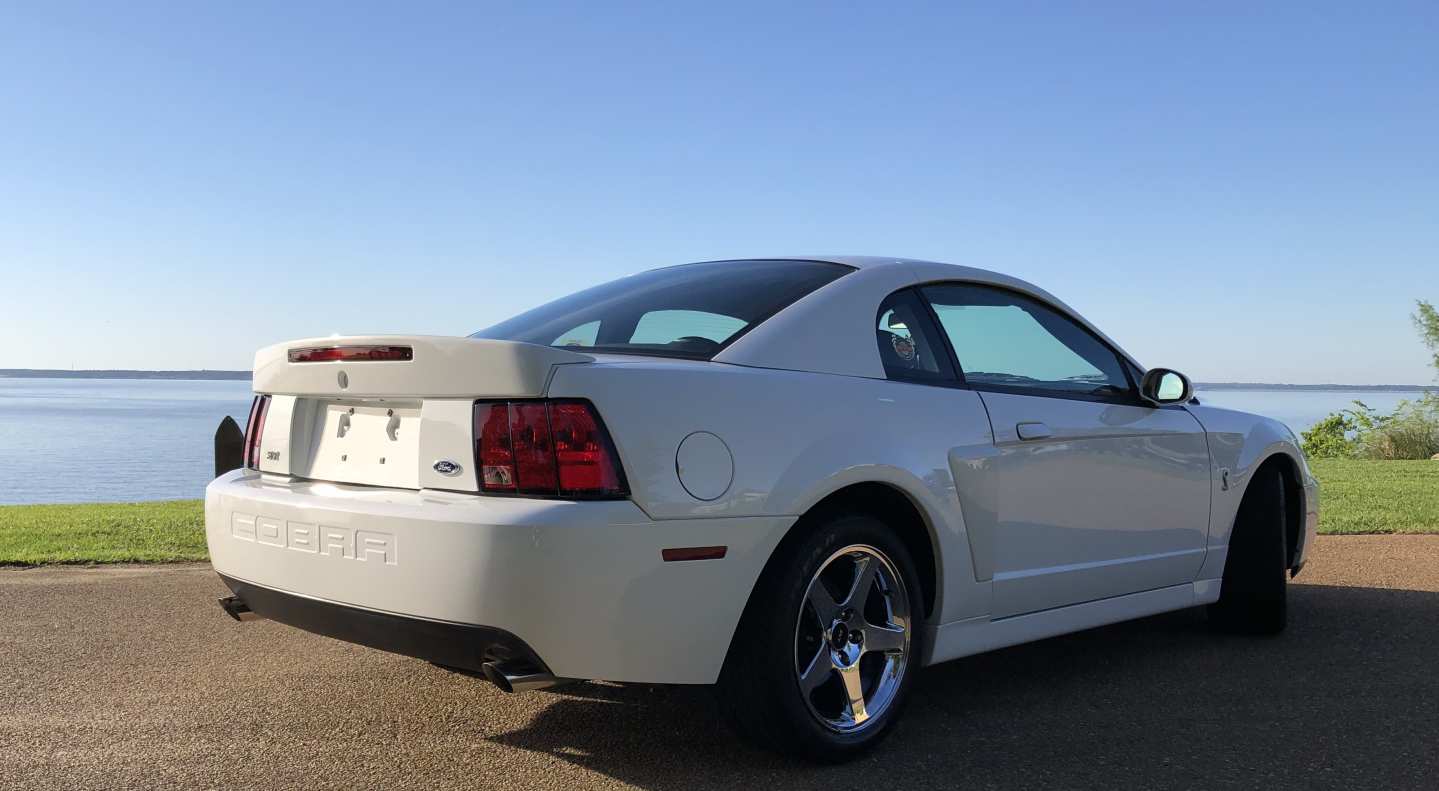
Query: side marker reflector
x,y
693,553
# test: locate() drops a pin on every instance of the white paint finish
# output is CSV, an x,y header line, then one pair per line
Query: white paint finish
x,y
438,428
976,485
830,330
276,448
704,465
446,433
581,582
975,636
442,367
357,441
1034,430
1115,500
1240,442
796,438
1207,591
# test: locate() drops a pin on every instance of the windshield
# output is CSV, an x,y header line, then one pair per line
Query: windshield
x,y
693,310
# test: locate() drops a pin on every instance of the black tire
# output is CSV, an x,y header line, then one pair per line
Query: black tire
x,y
1253,598
759,689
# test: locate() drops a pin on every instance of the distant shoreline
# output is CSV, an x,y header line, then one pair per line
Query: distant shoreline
x,y
62,373
1212,386
204,374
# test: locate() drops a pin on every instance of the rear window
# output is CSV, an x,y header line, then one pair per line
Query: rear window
x,y
693,310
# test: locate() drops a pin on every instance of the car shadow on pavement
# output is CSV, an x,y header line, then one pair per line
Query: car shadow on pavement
x,y
1346,696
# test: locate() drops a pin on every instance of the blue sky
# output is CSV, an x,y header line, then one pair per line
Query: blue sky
x,y
1241,191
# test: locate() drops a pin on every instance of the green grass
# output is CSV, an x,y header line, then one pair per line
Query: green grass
x,y
1362,496
156,532
1356,496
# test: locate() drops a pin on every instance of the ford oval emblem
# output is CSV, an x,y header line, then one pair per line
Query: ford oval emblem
x,y
447,467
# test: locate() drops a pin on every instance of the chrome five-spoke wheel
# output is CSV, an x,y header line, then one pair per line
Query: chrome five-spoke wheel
x,y
852,638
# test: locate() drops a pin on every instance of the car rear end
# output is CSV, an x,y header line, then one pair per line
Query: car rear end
x,y
427,496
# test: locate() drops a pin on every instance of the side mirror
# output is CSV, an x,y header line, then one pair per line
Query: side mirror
x,y
1162,386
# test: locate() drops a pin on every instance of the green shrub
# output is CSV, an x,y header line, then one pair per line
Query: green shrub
x,y
1329,438
1411,431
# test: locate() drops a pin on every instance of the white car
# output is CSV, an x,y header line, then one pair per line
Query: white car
x,y
798,479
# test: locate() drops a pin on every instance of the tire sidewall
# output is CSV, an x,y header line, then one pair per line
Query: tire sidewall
x,y
787,596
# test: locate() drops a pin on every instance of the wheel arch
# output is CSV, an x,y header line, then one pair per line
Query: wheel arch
x,y
892,505
1293,488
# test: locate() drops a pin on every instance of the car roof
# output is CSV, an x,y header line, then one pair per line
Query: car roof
x,y
831,330
866,262
861,261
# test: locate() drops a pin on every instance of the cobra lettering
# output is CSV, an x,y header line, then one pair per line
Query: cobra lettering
x,y
366,546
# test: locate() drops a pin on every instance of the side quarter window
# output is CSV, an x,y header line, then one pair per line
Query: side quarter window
x,y
1007,341
909,343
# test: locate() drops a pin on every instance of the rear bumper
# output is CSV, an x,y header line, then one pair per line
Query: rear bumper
x,y
454,645
582,585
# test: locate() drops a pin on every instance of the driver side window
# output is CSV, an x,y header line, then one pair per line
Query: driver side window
x,y
1009,342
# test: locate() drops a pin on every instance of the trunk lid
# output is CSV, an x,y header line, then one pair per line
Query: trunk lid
x,y
402,423
442,367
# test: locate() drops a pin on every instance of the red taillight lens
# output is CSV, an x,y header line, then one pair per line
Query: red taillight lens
x,y
583,454
551,448
254,428
329,354
534,452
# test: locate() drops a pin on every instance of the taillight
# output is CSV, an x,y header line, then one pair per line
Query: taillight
x,y
583,454
534,451
254,429
555,448
493,457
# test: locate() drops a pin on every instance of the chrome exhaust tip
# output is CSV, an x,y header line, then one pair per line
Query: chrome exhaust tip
x,y
511,677
236,608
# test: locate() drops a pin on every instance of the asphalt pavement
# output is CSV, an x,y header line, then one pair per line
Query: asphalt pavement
x,y
132,677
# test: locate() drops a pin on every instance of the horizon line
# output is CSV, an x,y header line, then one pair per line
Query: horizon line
x,y
236,374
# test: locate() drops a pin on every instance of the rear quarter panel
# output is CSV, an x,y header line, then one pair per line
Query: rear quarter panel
x,y
795,438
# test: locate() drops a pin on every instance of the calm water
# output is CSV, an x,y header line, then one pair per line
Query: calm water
x,y
99,440
1302,409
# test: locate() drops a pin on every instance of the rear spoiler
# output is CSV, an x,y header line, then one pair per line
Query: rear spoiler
x,y
438,367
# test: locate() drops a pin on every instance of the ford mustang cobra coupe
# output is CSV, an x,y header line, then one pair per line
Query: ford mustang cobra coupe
x,y
800,480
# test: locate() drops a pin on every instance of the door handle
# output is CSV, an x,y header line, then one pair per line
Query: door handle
x,y
1033,430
